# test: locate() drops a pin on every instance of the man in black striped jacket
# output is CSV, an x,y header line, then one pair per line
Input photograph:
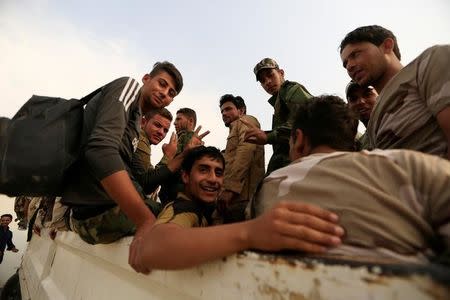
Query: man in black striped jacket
x,y
104,200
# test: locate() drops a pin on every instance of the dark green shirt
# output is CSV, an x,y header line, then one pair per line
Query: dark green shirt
x,y
285,104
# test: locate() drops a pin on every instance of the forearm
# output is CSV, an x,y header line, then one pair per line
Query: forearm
x,y
120,188
187,247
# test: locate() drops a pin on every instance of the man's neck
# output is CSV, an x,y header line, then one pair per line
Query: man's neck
x,y
322,149
391,71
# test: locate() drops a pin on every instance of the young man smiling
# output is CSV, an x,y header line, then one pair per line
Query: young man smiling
x,y
174,243
100,186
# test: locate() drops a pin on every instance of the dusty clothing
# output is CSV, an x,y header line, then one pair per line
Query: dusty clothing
x,y
174,185
397,200
285,104
244,162
187,213
405,113
107,226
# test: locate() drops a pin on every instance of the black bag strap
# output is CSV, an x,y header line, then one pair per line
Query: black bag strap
x,y
87,98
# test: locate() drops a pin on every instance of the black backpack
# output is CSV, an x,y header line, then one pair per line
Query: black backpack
x,y
39,144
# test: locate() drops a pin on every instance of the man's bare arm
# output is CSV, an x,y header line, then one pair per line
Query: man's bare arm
x,y
120,188
289,225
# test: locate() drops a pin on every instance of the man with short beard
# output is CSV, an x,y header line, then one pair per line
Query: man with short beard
x,y
413,108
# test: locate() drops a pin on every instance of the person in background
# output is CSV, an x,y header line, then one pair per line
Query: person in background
x,y
244,162
285,98
361,101
6,236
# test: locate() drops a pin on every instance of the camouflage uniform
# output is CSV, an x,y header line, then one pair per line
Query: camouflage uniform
x,y
405,114
372,193
171,187
187,213
244,166
285,104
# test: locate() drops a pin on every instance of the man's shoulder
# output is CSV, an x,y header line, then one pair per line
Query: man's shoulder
x,y
292,91
251,119
124,81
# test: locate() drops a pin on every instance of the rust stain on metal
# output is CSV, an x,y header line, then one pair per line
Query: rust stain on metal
x,y
375,280
270,291
296,296
277,274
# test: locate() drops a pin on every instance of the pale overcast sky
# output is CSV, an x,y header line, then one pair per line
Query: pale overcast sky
x,y
69,48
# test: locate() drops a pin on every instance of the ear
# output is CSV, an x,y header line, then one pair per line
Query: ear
x,y
388,45
281,71
299,141
184,177
295,145
241,111
143,122
146,78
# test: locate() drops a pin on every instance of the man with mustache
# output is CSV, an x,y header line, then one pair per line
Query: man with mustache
x,y
286,96
413,108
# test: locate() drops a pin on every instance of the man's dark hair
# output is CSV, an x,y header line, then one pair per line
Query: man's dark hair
x,y
374,34
197,153
163,112
6,215
238,101
168,67
326,120
190,113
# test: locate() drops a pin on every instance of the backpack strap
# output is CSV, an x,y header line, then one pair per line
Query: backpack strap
x,y
87,98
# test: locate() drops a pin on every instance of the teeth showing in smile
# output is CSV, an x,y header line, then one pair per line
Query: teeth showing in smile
x,y
209,189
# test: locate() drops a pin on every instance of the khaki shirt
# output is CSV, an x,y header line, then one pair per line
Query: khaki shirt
x,y
393,199
405,113
244,162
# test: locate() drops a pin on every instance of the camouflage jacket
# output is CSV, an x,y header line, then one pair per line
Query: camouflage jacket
x,y
285,104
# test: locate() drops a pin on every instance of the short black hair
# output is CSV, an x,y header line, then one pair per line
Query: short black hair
x,y
327,120
6,215
238,101
163,112
374,34
197,153
188,112
170,68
